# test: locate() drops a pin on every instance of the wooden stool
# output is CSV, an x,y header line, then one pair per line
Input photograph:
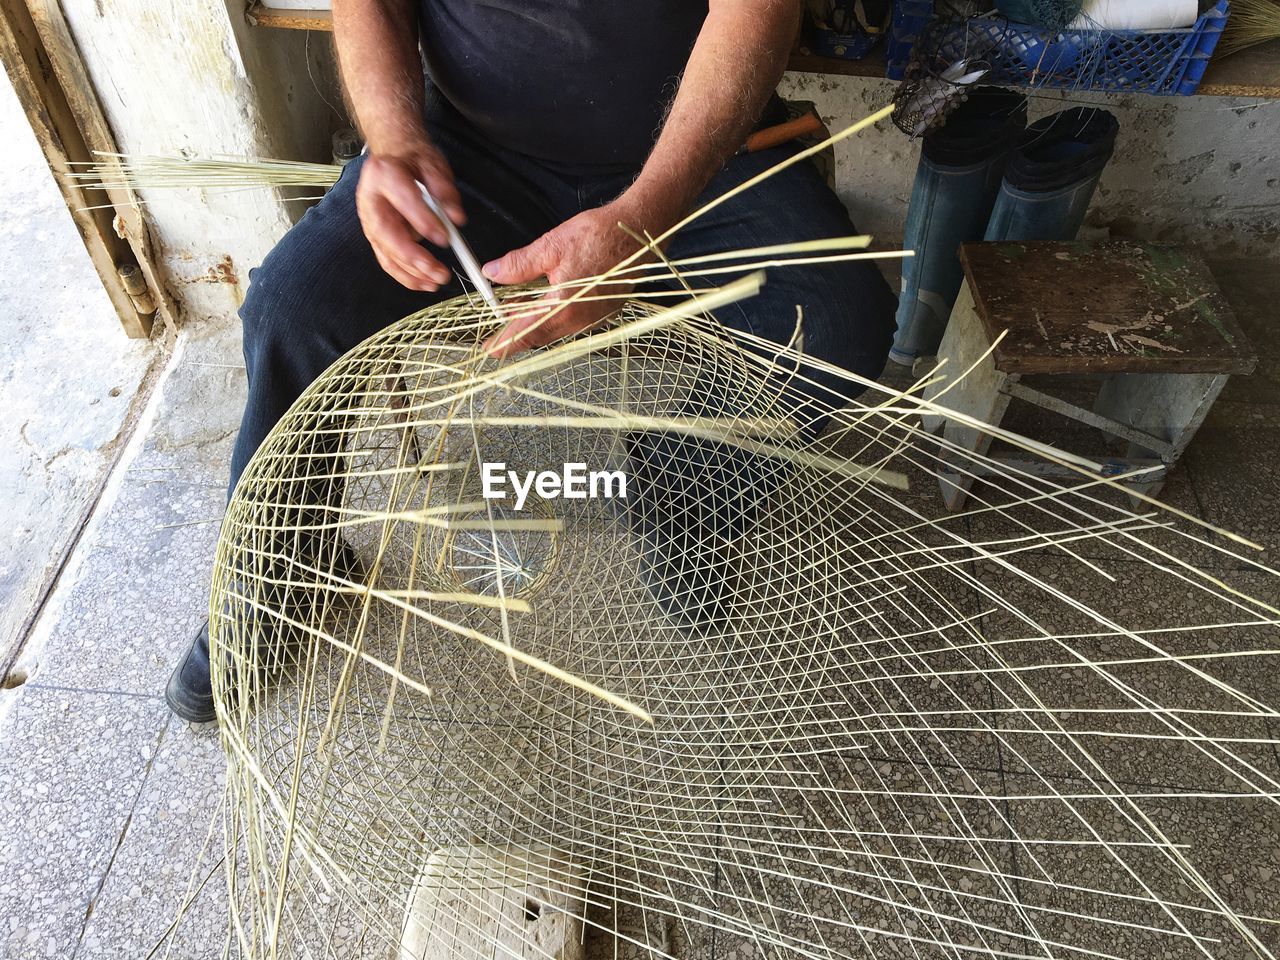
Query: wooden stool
x,y
1147,318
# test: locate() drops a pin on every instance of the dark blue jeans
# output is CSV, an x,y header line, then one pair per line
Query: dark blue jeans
x,y
321,291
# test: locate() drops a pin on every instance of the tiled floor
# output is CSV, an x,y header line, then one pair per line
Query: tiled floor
x,y
69,376
107,798
108,802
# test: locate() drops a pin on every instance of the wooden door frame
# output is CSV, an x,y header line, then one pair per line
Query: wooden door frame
x,y
43,63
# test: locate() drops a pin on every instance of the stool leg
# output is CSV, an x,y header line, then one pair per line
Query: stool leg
x,y
1169,406
979,395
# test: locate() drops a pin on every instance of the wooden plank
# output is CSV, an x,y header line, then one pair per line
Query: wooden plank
x,y
56,124
1114,307
1154,470
1093,418
287,18
1172,407
982,395
872,65
64,112
1253,72
128,222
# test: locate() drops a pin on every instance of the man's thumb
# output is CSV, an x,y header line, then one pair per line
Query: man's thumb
x,y
518,266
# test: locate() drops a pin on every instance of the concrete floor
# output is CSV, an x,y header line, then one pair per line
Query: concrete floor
x,y
69,374
106,798
108,801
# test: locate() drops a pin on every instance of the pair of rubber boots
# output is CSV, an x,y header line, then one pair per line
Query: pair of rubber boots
x,y
987,175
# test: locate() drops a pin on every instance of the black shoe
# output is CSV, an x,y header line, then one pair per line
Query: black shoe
x,y
189,692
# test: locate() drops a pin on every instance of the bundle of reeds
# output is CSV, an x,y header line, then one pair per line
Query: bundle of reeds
x,y
117,170
1251,22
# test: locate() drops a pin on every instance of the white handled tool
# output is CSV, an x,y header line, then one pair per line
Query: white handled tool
x,y
470,265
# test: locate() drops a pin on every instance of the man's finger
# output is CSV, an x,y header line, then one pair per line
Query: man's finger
x,y
438,179
402,272
401,275
521,265
403,194
390,182
388,231
515,337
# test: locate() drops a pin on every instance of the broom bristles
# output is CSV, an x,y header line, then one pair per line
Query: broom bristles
x,y
154,172
1251,22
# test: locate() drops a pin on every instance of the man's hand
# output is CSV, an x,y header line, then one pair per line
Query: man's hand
x,y
585,246
721,95
394,216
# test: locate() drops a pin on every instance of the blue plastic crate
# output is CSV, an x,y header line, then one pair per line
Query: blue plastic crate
x,y
843,31
846,46
1169,62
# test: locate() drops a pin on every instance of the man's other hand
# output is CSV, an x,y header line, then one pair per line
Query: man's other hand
x,y
395,218
585,246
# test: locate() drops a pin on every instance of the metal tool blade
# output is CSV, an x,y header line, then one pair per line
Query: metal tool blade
x,y
467,259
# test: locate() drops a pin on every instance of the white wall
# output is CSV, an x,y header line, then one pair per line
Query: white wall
x,y
1196,170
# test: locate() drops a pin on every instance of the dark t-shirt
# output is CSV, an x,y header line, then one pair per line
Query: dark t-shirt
x,y
577,83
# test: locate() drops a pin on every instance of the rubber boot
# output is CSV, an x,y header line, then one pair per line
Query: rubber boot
x,y
961,167
1052,175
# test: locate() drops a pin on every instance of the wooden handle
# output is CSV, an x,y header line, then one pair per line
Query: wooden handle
x,y
774,136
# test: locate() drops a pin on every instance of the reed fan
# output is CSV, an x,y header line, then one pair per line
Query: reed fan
x,y
774,702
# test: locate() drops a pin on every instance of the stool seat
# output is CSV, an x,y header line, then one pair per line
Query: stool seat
x,y
1146,321
1111,307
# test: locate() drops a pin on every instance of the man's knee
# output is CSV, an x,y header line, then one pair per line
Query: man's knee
x,y
262,320
299,302
846,310
279,310
320,288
